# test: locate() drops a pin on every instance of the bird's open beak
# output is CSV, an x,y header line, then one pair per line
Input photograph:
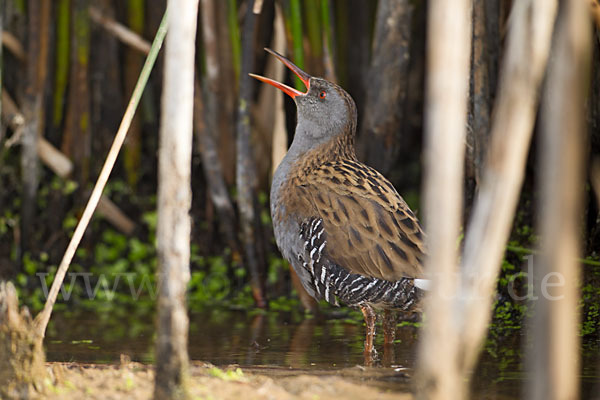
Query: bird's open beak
x,y
304,77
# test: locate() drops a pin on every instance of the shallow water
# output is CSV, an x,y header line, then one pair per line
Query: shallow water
x,y
284,344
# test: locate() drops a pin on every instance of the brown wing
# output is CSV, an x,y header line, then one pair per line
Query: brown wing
x,y
370,229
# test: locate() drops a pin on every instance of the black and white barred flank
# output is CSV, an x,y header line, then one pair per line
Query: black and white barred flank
x,y
313,234
332,282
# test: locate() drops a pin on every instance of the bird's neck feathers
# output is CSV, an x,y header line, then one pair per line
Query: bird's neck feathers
x,y
316,142
308,153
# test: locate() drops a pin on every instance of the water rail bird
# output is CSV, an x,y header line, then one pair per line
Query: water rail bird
x,y
344,228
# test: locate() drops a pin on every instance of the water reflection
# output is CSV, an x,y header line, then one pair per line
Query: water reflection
x,y
289,343
224,338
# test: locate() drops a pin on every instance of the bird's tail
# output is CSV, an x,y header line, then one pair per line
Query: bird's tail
x,y
423,284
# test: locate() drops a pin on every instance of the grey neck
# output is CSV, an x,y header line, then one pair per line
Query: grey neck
x,y
309,136
295,152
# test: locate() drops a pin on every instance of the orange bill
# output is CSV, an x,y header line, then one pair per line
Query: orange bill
x,y
304,77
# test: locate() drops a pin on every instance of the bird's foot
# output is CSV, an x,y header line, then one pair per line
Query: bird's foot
x,y
389,355
371,356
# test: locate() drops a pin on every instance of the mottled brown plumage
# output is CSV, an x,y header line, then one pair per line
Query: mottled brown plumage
x,y
344,228
370,229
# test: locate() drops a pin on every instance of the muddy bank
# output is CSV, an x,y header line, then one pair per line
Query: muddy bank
x,y
22,370
135,381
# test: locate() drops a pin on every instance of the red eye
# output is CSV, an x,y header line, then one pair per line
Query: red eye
x,y
323,94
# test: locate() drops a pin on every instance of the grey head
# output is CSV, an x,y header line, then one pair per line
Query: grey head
x,y
325,110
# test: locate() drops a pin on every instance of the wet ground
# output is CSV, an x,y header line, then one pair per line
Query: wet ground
x,y
280,346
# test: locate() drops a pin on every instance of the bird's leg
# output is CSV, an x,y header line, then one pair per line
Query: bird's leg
x,y
370,318
389,334
389,327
